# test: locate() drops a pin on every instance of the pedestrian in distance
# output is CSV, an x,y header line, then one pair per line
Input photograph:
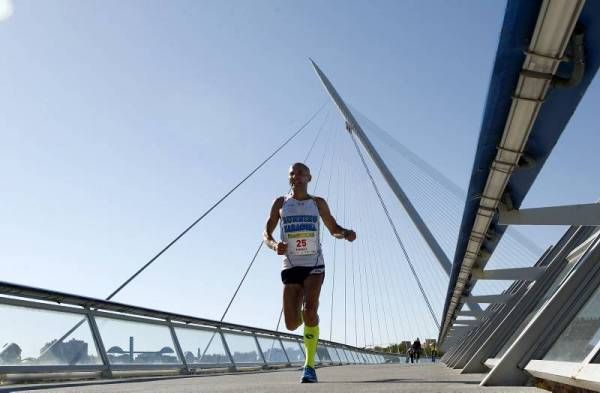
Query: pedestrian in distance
x,y
417,349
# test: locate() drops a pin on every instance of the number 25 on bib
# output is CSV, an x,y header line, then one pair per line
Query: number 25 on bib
x,y
303,243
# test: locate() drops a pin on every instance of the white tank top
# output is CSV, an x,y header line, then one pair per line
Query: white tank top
x,y
300,229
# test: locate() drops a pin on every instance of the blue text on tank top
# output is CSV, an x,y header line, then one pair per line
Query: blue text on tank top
x,y
299,223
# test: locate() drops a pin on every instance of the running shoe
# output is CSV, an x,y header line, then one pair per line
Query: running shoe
x,y
309,375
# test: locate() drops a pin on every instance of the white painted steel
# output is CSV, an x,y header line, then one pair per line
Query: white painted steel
x,y
499,298
586,214
555,24
555,260
521,273
355,128
585,376
557,312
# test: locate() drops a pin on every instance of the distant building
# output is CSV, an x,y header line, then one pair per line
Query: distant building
x,y
70,352
404,346
246,357
10,353
430,342
276,354
117,355
165,355
429,345
162,356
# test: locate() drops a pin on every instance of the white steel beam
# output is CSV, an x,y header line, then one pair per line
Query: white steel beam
x,y
467,322
498,298
522,273
584,215
470,313
354,126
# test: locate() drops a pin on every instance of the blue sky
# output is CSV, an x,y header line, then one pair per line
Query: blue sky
x,y
122,121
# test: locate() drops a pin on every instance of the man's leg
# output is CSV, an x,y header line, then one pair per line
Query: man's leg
x,y
312,290
292,303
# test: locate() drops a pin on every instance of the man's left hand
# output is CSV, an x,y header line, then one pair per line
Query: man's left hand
x,y
350,235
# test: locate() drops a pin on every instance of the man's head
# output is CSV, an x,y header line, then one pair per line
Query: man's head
x,y
299,176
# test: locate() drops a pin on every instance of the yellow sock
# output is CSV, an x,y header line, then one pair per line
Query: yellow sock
x,y
311,338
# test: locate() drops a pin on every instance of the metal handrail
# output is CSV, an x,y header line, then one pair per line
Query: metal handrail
x,y
37,298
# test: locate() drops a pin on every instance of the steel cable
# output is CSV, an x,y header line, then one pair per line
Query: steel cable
x,y
408,260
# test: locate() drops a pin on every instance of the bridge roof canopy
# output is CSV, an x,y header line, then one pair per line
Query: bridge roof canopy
x,y
519,23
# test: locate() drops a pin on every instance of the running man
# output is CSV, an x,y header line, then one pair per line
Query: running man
x,y
303,269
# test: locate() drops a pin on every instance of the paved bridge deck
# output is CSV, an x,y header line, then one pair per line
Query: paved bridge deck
x,y
375,378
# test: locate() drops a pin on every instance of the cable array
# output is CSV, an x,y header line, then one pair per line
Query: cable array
x,y
392,288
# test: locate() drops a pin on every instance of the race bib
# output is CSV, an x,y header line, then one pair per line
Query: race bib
x,y
302,243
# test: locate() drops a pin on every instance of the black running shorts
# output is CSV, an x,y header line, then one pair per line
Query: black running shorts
x,y
297,274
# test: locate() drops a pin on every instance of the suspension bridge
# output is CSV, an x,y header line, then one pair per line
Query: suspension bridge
x,y
432,260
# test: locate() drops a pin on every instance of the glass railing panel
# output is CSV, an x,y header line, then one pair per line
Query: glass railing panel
x,y
138,343
581,335
333,354
569,268
202,346
342,355
293,350
31,337
272,350
350,356
243,348
359,356
596,358
367,358
323,354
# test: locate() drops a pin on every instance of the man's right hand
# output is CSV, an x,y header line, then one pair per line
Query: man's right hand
x,y
281,248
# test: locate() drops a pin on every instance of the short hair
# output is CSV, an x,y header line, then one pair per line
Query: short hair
x,y
303,165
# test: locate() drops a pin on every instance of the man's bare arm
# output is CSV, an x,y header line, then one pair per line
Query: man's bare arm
x,y
335,229
270,226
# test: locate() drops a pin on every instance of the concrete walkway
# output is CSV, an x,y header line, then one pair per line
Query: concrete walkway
x,y
342,379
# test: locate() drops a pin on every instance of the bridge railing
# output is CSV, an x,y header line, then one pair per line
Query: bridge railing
x,y
44,331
